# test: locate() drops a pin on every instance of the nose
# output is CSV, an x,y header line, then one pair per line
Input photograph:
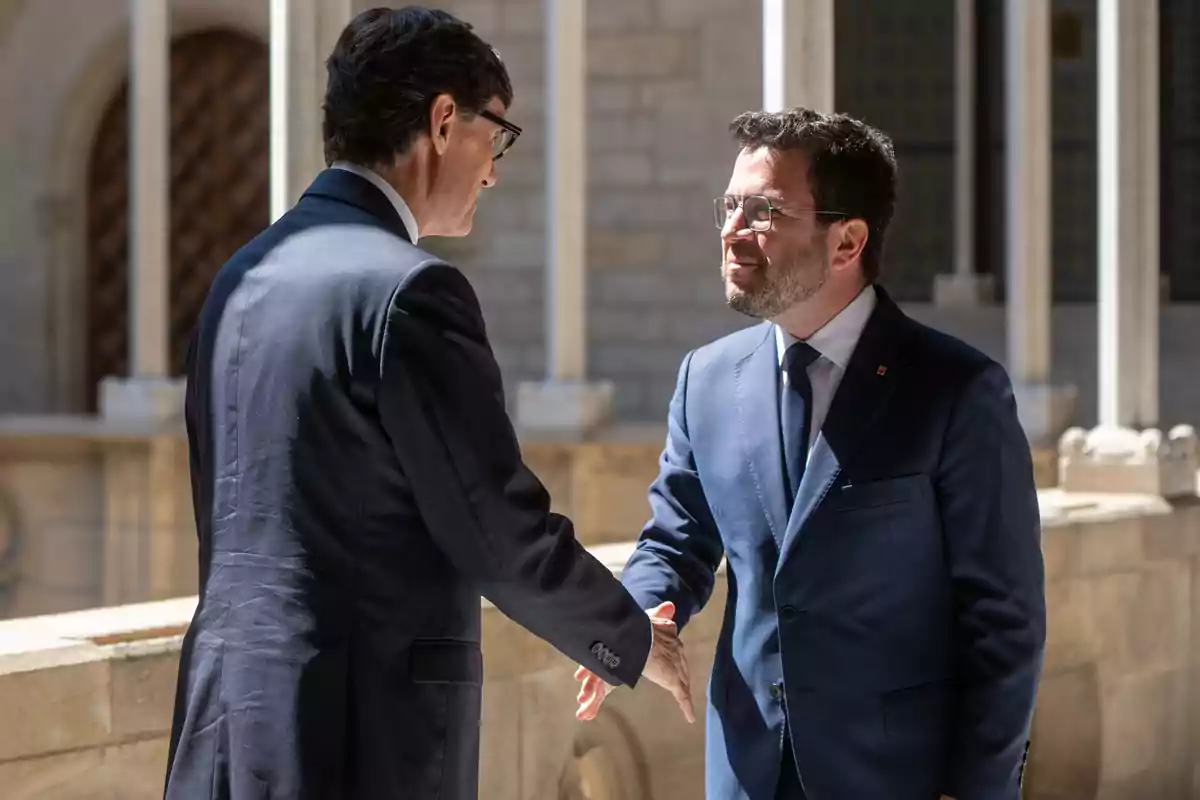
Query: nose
x,y
735,226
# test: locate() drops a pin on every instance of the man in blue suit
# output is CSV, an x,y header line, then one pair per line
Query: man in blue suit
x,y
868,483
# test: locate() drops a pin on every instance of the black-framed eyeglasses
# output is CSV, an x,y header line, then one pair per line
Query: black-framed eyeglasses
x,y
757,210
505,138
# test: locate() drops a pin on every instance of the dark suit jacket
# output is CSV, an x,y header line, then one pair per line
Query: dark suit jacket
x,y
357,487
902,621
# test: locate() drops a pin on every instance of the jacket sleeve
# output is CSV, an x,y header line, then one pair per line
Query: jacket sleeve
x,y
679,550
441,403
992,527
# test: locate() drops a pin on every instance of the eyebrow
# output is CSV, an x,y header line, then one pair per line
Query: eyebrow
x,y
774,197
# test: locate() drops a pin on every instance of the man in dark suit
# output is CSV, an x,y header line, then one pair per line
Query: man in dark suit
x,y
871,490
357,482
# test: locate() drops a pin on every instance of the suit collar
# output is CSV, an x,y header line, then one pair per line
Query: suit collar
x,y
348,187
836,340
389,191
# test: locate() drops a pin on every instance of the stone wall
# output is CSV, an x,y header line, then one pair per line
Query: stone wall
x,y
46,135
1074,356
94,512
87,695
100,514
88,699
665,78
1119,707
97,513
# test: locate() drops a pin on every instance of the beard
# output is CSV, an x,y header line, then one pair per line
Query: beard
x,y
794,282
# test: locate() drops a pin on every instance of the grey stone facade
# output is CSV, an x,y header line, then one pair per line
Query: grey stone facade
x,y
665,78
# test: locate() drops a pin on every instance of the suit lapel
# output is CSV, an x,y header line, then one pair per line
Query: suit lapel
x,y
861,397
823,467
756,379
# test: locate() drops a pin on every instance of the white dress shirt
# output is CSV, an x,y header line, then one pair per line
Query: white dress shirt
x,y
406,215
835,342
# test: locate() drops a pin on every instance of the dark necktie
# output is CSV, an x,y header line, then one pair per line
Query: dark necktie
x,y
795,413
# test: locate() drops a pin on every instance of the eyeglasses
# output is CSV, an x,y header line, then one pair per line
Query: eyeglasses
x,y
504,138
756,209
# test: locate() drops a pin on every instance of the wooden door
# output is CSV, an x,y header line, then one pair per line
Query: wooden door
x,y
220,140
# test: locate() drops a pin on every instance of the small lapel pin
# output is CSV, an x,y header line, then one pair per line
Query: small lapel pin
x,y
881,371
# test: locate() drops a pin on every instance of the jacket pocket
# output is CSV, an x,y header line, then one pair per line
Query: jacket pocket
x,y
876,494
446,661
918,711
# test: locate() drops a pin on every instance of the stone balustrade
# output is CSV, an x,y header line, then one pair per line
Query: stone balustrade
x,y
87,695
88,699
96,514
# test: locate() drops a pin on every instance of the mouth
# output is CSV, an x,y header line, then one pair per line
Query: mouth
x,y
737,267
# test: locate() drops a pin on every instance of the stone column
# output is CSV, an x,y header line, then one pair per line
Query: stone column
x,y
1128,213
964,288
303,33
566,402
148,394
1128,451
798,54
1044,409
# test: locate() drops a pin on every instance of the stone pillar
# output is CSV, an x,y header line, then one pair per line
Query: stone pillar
x,y
148,393
798,54
1128,213
1044,409
303,33
565,403
964,288
1128,452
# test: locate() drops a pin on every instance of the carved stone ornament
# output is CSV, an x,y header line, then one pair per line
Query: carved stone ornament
x,y
10,545
605,762
1115,459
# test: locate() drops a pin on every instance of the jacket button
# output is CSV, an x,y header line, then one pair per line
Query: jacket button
x,y
787,613
776,690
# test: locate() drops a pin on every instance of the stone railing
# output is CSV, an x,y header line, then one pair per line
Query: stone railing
x,y
88,695
94,512
1119,706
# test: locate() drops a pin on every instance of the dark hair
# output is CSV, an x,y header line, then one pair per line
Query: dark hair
x,y
852,166
387,68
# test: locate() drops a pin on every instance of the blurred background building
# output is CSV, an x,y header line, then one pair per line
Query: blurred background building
x,y
664,77
1050,185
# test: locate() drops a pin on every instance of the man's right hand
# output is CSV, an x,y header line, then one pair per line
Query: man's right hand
x,y
666,666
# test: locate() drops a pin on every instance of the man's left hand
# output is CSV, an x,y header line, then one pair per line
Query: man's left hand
x,y
594,690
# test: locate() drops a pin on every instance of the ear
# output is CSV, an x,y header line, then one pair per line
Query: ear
x,y
847,239
442,118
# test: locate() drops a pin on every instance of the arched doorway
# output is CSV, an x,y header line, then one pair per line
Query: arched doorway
x,y
220,140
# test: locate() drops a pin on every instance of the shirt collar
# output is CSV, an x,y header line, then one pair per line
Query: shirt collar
x,y
406,215
837,339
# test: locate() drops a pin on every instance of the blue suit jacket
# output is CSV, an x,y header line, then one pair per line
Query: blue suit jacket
x,y
902,619
357,487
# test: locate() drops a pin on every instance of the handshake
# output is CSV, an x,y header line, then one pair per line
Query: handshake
x,y
666,665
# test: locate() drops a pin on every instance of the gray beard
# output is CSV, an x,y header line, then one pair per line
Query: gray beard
x,y
779,295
